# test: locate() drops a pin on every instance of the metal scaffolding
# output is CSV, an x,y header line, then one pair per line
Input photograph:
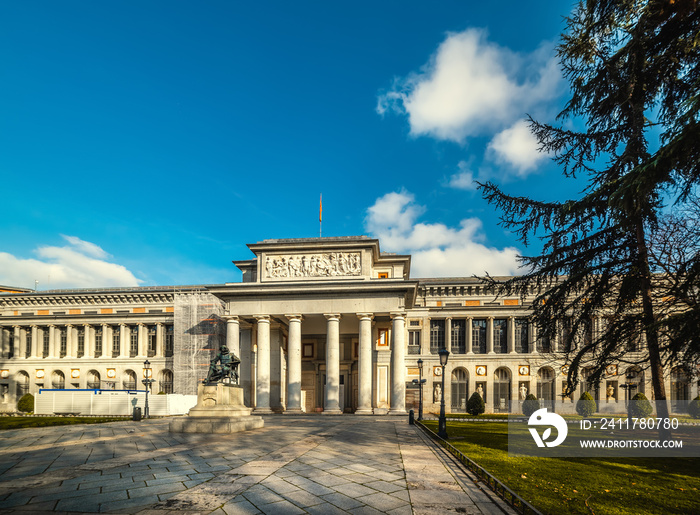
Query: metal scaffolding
x,y
199,332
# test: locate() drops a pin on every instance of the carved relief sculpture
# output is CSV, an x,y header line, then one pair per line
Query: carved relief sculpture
x,y
330,264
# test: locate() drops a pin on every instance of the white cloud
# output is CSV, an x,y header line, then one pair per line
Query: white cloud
x,y
437,250
518,147
472,86
80,264
464,180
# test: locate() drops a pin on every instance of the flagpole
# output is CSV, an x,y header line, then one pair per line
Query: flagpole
x,y
320,216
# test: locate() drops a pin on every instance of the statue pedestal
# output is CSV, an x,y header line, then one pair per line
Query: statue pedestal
x,y
219,409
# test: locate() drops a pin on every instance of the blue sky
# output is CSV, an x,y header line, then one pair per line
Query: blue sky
x,y
145,143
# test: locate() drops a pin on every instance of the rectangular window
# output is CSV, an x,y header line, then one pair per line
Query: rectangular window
x,y
98,342
479,336
134,342
382,337
45,349
544,344
116,343
81,342
64,343
500,336
521,336
437,335
11,350
459,344
414,342
169,340
28,348
565,336
152,333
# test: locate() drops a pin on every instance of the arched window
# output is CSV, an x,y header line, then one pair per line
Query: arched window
x,y
635,378
680,389
501,390
58,380
93,379
460,382
166,381
129,380
22,382
545,386
589,385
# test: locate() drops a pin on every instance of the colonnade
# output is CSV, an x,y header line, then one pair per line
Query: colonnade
x,y
331,400
82,340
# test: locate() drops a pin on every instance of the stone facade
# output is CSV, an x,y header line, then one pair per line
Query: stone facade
x,y
327,325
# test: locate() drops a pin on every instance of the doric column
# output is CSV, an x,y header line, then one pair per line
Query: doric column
x,y
124,341
233,335
425,337
106,341
511,335
294,365
398,365
262,383
142,339
88,341
331,406
489,335
52,342
160,340
468,330
36,344
448,334
17,344
364,365
71,343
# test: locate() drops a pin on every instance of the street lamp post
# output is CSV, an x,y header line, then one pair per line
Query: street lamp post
x,y
147,383
420,385
442,423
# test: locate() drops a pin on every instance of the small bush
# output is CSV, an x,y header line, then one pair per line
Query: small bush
x,y
640,406
26,403
586,405
475,404
694,407
530,405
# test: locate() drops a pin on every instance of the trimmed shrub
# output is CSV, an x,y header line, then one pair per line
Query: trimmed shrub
x,y
26,403
694,407
475,404
530,405
586,405
640,406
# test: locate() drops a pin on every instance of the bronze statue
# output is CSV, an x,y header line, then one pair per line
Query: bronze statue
x,y
223,366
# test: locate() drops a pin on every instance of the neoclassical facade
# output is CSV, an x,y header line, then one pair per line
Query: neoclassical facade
x,y
322,325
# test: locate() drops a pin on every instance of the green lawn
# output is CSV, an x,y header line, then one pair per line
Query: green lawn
x,y
582,485
22,422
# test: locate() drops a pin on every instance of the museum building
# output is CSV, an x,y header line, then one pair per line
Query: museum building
x,y
327,325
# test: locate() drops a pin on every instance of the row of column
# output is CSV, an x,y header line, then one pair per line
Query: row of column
x,y
332,389
29,341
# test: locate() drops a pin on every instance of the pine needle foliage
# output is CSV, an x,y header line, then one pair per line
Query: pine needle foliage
x,y
633,70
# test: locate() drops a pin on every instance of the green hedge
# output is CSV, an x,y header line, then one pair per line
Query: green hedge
x,y
26,403
586,405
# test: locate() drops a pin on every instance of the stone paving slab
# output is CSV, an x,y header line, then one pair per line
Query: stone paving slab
x,y
294,464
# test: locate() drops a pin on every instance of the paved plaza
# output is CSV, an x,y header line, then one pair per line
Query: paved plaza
x,y
295,464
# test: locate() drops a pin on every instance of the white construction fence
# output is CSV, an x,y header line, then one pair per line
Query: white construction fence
x,y
110,402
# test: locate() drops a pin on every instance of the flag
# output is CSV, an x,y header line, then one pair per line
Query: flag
x,y
320,209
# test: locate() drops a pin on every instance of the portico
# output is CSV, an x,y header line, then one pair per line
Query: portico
x,y
325,322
